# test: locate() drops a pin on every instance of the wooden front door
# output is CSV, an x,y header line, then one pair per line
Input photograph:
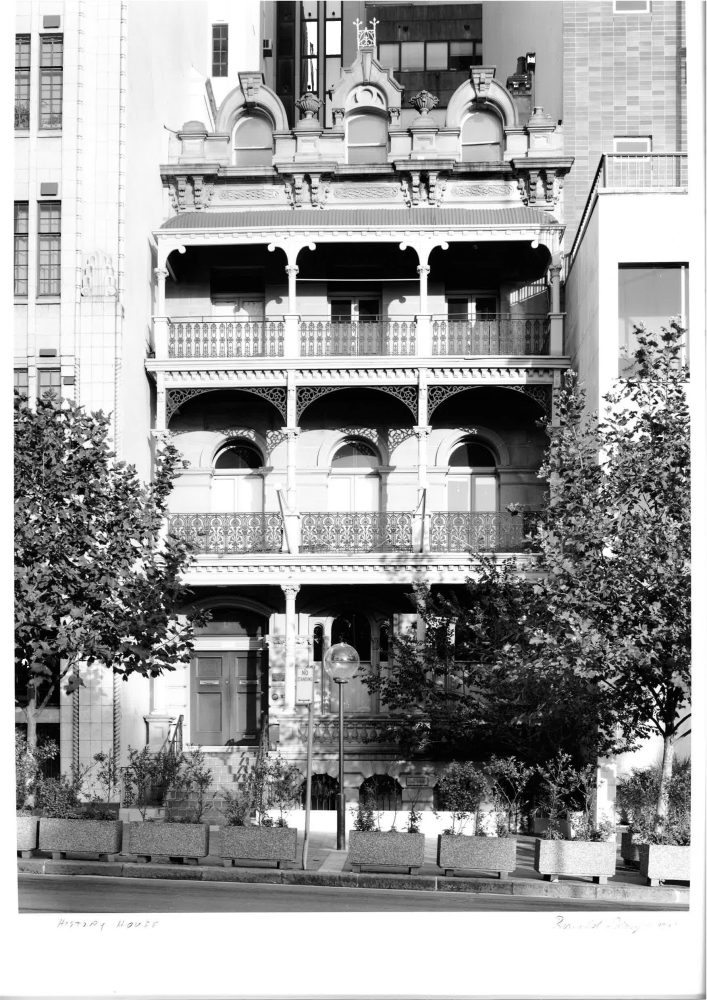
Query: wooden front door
x,y
227,696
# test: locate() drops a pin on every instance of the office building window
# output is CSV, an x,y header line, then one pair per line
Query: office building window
x,y
632,144
22,66
51,80
49,248
21,246
21,381
219,50
428,56
48,380
650,294
632,6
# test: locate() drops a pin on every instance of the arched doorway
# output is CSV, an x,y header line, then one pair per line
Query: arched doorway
x,y
354,481
238,479
229,678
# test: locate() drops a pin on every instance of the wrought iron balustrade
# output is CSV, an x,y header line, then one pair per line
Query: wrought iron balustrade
x,y
518,335
322,338
202,337
357,729
481,531
229,533
367,531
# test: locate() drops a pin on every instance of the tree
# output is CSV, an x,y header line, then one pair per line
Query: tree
x,y
586,646
97,579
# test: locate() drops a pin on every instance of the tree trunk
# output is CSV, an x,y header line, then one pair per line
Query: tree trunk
x,y
666,774
31,715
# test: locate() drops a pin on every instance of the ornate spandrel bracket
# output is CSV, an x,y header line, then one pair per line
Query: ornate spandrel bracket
x,y
398,435
307,394
438,394
176,398
422,187
190,191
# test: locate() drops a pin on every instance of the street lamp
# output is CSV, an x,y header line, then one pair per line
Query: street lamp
x,y
341,662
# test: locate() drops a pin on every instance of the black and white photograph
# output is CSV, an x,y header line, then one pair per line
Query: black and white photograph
x,y
359,453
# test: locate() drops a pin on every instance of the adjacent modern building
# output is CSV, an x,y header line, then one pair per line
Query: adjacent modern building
x,y
328,259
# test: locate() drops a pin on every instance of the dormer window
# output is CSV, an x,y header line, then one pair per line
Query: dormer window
x,y
367,139
252,142
482,138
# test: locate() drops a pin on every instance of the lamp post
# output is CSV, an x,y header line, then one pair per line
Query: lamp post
x,y
341,663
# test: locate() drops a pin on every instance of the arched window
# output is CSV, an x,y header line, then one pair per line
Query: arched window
x,y
324,791
367,139
472,480
354,483
482,137
238,479
252,141
355,629
381,792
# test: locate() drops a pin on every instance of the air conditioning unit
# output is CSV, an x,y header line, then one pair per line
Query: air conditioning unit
x,y
267,46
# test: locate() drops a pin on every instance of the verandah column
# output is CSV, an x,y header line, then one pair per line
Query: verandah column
x,y
422,431
556,316
290,591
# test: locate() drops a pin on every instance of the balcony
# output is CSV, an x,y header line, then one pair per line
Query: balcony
x,y
206,337
480,531
386,338
229,533
362,532
493,335
367,531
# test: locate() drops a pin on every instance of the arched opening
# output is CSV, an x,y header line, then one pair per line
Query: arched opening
x,y
238,478
252,141
382,793
482,137
325,788
367,139
472,482
354,480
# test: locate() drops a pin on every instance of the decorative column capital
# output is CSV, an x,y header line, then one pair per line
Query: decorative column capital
x,y
423,269
290,590
291,269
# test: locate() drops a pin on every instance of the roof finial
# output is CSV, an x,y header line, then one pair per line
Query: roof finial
x,y
366,37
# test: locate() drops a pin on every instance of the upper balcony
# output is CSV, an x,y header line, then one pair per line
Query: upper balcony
x,y
494,335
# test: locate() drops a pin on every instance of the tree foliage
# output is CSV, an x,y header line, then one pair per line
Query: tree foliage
x,y
584,646
97,579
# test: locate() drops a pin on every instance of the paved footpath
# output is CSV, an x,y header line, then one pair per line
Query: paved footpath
x,y
328,867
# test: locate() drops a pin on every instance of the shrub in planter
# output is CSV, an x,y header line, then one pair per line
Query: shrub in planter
x,y
180,842
637,800
386,849
149,777
258,843
80,836
28,776
461,790
508,782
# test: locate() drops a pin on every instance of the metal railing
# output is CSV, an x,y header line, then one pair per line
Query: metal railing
x,y
481,531
176,739
357,729
322,337
229,533
202,337
499,334
367,531
645,170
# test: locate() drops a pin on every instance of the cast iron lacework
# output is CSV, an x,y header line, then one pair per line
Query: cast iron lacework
x,y
273,439
307,394
398,435
370,433
479,531
254,532
362,531
277,395
437,394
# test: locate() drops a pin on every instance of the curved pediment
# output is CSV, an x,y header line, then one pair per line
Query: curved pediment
x,y
366,85
251,95
479,91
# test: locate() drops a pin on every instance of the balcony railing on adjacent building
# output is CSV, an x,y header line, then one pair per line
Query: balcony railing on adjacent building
x,y
383,338
367,531
480,531
206,337
229,533
491,335
644,170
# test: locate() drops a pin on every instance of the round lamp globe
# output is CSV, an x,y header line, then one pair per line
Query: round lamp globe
x,y
341,661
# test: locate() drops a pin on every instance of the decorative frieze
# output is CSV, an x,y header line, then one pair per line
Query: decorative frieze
x,y
234,193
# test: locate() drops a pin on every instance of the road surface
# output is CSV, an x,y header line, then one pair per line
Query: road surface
x,y
100,894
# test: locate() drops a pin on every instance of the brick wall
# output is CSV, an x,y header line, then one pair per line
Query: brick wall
x,y
623,74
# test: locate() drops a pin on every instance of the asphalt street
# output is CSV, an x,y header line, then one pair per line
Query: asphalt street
x,y
89,894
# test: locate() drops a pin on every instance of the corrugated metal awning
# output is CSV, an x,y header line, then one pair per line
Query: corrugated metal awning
x,y
368,218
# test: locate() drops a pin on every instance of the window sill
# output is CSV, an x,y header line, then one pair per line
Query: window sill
x,y
48,132
48,300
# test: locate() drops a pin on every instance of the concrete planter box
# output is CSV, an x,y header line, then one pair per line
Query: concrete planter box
x,y
177,841
664,862
629,850
596,859
27,832
258,843
81,836
495,854
394,850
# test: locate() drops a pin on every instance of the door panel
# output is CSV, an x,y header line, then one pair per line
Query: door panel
x,y
228,694
223,494
340,493
458,493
